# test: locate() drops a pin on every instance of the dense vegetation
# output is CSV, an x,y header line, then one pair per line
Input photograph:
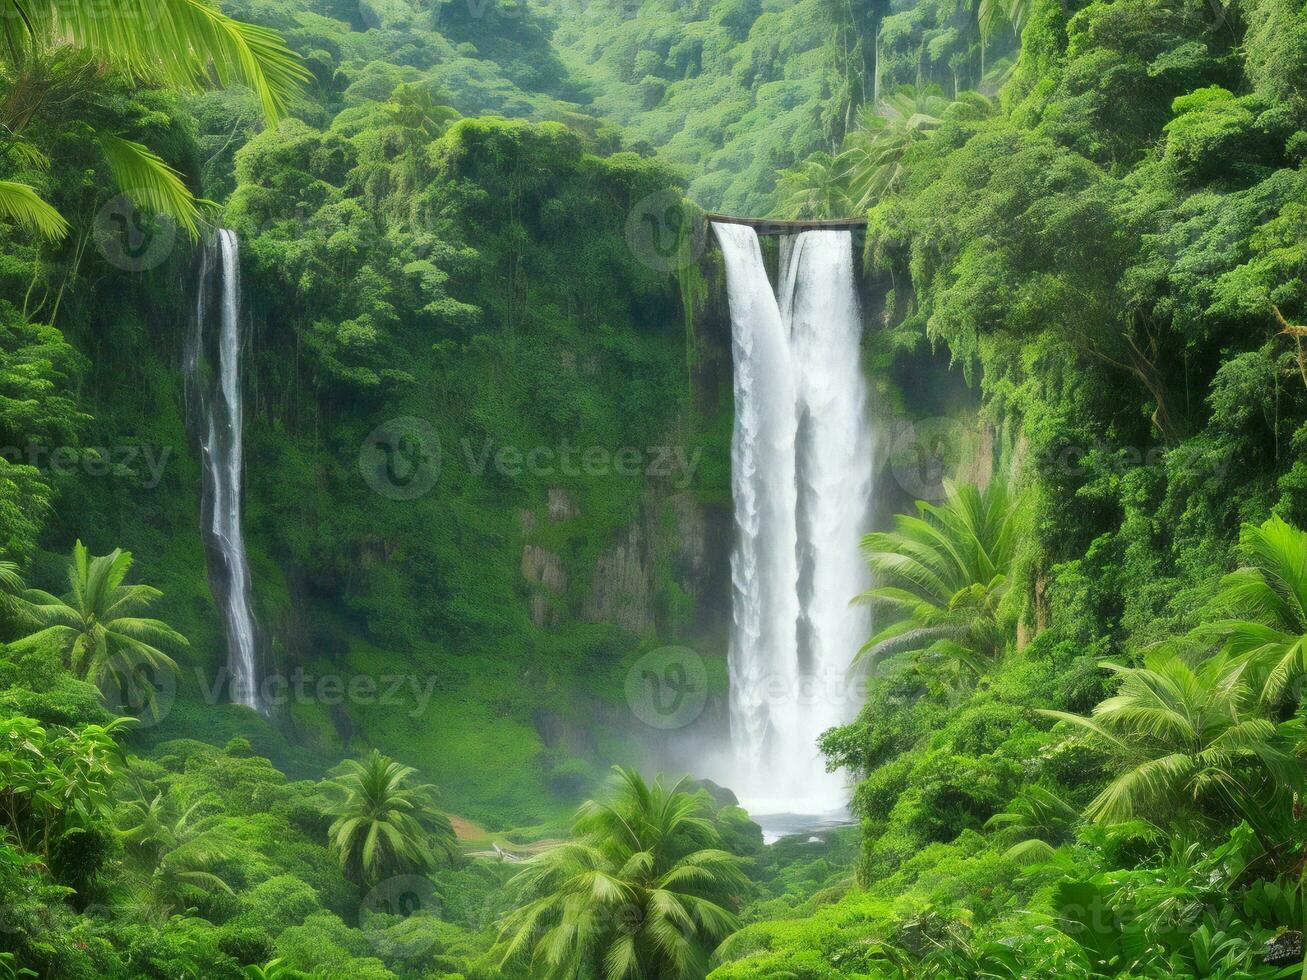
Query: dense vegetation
x,y
1082,748
1084,759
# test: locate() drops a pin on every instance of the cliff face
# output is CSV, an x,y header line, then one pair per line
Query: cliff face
x,y
661,571
663,577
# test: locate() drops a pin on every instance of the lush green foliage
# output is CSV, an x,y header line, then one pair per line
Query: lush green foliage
x,y
643,888
383,826
97,631
1115,260
941,578
1081,750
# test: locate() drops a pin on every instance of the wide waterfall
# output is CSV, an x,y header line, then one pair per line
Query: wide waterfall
x,y
217,412
801,458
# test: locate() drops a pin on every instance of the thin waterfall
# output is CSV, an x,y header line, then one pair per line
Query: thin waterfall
x,y
801,479
216,410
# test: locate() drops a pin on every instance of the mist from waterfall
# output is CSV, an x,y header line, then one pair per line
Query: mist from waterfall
x,y
217,420
801,473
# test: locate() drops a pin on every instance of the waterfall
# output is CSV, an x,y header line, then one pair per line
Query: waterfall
x,y
216,418
834,477
763,653
801,477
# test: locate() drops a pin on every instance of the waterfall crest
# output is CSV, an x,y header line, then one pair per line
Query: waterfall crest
x,y
801,458
213,381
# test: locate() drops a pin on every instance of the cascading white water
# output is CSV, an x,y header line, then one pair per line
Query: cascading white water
x,y
835,478
801,476
763,656
219,425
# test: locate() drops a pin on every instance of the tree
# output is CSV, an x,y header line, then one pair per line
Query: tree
x,y
873,161
181,850
941,576
814,189
12,588
180,43
96,629
385,825
872,158
641,890
186,874
149,826
55,782
993,14
1043,819
22,205
1265,603
1188,737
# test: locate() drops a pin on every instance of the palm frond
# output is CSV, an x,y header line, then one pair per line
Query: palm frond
x,y
151,183
179,42
22,205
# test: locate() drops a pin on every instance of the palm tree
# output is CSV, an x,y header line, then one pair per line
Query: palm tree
x,y
872,163
24,207
96,627
148,826
1265,603
185,875
12,588
993,14
1042,818
641,890
941,576
384,824
180,43
1190,737
814,189
182,852
872,159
